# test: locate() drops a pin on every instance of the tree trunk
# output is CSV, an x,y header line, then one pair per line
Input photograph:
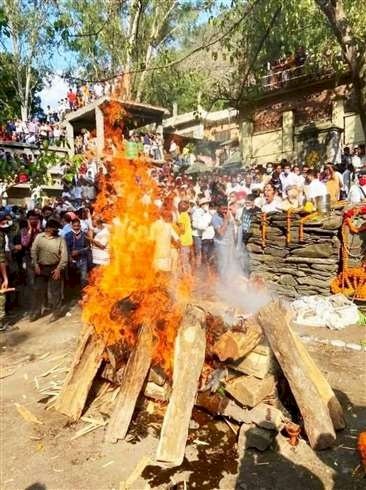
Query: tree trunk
x,y
134,15
334,11
157,25
25,102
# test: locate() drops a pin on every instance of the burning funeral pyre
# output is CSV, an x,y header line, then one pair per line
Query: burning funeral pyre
x,y
146,333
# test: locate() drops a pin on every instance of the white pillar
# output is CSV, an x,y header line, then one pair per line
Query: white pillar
x,y
288,123
70,138
338,113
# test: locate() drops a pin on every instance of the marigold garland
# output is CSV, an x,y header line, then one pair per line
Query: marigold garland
x,y
351,281
263,228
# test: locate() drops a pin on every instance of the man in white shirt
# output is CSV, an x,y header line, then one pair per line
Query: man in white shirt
x,y
272,203
315,188
357,192
298,178
201,227
287,179
356,159
98,90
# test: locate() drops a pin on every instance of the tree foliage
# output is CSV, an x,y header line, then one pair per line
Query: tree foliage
x,y
109,37
26,39
10,102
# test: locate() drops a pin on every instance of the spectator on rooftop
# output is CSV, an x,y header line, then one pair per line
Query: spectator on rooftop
x,y
71,97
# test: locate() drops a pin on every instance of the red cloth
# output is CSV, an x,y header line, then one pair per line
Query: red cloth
x,y
23,178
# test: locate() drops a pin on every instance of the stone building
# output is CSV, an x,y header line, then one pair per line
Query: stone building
x,y
306,118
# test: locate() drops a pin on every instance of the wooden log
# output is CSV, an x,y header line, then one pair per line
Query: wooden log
x,y
189,356
256,363
87,360
324,389
248,390
317,422
156,392
134,376
217,404
234,345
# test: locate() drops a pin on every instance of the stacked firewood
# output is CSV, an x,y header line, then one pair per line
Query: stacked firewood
x,y
231,366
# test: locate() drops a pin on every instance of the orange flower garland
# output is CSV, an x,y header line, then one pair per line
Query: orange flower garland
x,y
303,221
263,228
351,281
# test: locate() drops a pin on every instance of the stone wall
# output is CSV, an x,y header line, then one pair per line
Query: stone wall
x,y
294,265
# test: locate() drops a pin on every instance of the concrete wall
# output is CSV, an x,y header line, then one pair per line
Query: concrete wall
x,y
353,133
267,146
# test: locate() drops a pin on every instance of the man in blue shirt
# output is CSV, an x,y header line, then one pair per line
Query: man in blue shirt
x,y
79,251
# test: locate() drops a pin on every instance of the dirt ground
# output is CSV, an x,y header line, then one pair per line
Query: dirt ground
x,y
42,456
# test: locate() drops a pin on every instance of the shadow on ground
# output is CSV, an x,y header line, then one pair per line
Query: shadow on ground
x,y
271,470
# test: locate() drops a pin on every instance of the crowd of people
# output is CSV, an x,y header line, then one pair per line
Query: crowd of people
x,y
34,132
203,224
48,126
40,249
210,217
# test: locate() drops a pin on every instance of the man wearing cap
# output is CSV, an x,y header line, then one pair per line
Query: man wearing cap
x,y
49,259
3,272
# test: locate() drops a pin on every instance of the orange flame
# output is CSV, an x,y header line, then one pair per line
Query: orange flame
x,y
125,203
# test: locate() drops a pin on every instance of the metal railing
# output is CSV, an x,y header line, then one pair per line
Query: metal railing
x,y
279,78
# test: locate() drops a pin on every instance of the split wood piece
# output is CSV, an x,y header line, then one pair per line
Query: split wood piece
x,y
249,391
325,391
156,392
273,318
234,345
157,376
257,363
217,404
134,376
87,360
189,356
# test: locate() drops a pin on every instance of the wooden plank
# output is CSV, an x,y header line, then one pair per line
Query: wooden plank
x,y
189,356
324,389
317,422
87,360
134,376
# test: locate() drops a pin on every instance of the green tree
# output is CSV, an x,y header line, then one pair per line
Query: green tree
x,y
130,37
26,37
10,102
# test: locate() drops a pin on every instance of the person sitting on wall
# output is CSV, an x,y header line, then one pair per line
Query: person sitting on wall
x,y
293,198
